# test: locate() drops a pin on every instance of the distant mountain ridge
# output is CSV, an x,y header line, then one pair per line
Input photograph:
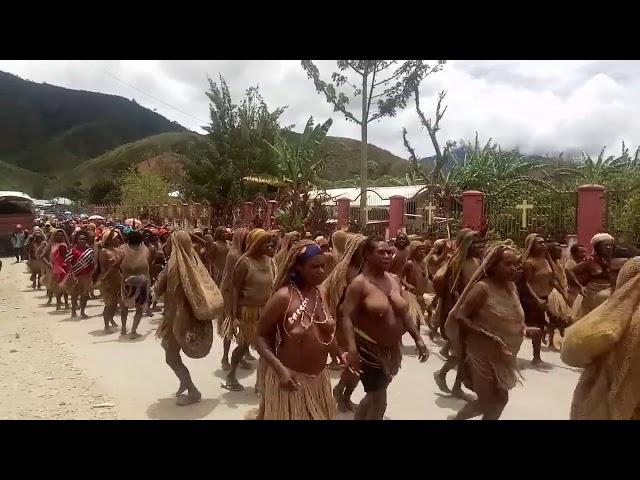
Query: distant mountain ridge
x,y
48,129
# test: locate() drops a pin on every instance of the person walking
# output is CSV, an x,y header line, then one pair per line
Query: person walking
x,y
18,239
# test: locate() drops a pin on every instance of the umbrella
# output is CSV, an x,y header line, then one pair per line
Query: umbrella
x,y
96,217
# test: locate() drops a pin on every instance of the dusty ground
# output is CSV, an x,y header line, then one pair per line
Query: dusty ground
x,y
52,366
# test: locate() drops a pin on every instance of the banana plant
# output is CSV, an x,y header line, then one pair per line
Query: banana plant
x,y
299,167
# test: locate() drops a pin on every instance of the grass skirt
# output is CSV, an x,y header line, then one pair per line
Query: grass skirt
x,y
486,358
248,317
79,286
110,293
312,401
226,328
35,266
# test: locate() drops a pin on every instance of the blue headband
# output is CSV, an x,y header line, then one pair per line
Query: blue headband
x,y
308,252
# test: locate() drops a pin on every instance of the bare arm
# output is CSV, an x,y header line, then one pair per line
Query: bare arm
x,y
237,281
274,311
352,298
410,327
407,278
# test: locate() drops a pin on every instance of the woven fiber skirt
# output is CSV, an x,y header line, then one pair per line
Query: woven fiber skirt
x,y
312,401
248,318
226,328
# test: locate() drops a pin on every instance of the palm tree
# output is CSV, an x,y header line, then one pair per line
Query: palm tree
x,y
602,171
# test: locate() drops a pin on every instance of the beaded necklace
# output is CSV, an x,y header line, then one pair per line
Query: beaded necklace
x,y
302,312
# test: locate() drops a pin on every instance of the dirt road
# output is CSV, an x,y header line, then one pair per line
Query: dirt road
x,y
52,366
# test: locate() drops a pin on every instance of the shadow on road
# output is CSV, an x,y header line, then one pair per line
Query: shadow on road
x,y
125,339
102,333
449,402
237,399
166,409
240,373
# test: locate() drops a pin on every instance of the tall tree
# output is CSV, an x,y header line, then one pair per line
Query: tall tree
x,y
237,146
389,82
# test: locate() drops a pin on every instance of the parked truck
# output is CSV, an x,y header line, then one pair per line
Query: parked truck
x,y
16,208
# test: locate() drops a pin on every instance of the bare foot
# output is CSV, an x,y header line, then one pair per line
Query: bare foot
x,y
74,315
189,399
244,365
134,335
123,331
84,315
462,395
114,324
536,362
441,382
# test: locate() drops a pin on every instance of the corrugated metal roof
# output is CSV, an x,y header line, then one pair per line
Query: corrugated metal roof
x,y
10,194
376,196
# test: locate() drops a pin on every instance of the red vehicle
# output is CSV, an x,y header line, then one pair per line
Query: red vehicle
x,y
16,208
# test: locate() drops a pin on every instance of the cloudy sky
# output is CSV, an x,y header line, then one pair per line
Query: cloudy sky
x,y
540,106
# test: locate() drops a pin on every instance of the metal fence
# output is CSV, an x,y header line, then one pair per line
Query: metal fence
x,y
434,212
620,220
551,214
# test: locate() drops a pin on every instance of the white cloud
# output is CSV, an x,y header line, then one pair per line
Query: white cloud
x,y
540,106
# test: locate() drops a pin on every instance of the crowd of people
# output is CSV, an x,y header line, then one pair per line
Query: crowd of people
x,y
308,305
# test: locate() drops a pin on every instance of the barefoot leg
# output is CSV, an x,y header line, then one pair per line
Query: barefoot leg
x,y
83,305
136,321
226,345
174,360
236,356
124,313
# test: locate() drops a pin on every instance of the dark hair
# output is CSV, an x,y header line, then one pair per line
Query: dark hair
x,y
574,248
135,237
370,243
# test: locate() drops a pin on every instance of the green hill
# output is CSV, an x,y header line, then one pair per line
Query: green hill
x,y
16,178
50,129
111,163
342,159
54,140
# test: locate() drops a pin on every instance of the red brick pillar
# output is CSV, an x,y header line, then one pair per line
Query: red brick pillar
x,y
396,215
271,208
247,213
344,204
591,211
472,209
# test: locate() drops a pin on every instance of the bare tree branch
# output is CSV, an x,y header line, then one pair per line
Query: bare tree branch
x,y
412,152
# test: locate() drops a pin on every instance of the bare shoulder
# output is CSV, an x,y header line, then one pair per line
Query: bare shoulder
x,y
480,287
281,295
358,282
